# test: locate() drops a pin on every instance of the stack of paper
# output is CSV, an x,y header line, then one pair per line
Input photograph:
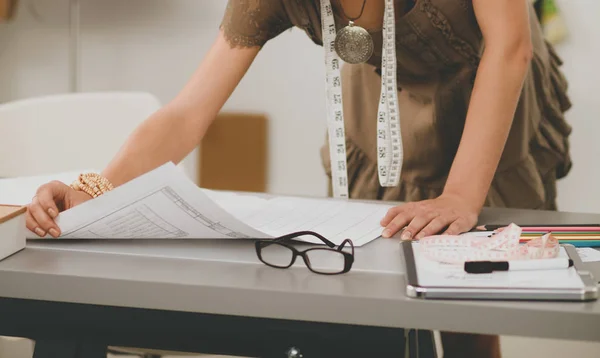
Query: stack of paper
x,y
164,204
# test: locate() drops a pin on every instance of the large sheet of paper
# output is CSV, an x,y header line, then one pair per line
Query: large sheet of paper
x,y
335,219
165,204
160,204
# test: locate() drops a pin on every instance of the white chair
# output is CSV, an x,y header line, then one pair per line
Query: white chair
x,y
68,132
48,136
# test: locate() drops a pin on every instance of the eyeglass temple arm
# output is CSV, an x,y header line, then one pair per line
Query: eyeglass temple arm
x,y
302,233
347,241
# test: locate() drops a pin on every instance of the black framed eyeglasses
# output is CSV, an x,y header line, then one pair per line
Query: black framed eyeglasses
x,y
330,260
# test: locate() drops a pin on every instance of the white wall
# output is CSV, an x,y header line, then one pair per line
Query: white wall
x,y
154,45
580,190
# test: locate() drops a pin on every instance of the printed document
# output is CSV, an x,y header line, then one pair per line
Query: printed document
x,y
337,220
165,204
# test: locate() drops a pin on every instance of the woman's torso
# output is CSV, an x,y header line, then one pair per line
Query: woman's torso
x,y
438,48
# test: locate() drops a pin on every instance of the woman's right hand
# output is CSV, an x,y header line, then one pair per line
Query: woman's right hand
x,y
49,200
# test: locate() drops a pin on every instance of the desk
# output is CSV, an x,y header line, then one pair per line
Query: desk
x,y
203,302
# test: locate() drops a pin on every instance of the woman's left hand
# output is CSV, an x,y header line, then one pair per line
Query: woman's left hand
x,y
429,217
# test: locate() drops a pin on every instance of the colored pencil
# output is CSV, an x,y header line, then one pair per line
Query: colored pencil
x,y
546,227
562,233
578,235
577,241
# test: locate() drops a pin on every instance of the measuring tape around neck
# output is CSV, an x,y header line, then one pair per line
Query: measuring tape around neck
x,y
389,139
335,108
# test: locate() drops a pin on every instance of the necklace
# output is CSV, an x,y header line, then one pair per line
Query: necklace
x,y
353,43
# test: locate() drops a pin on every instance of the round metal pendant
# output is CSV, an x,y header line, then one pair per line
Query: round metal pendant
x,y
354,44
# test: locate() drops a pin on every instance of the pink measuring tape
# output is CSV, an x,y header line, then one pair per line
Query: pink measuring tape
x,y
501,246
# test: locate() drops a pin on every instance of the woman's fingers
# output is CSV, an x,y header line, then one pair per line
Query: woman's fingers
x,y
45,223
46,197
397,223
414,229
391,214
458,226
434,227
43,209
419,222
430,217
32,225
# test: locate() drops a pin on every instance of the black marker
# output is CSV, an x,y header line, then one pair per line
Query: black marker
x,y
517,265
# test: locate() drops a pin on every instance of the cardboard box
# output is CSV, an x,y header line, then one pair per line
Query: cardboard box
x,y
234,153
12,230
7,9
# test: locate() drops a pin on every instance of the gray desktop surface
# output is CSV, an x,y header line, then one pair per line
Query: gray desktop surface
x,y
226,278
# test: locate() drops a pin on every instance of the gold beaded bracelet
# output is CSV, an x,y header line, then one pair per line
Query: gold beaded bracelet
x,y
92,184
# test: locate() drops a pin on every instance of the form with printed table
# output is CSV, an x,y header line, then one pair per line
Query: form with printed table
x,y
165,204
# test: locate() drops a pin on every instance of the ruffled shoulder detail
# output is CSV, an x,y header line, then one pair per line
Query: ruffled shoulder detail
x,y
250,23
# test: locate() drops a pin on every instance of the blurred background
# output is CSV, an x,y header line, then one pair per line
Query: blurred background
x,y
154,45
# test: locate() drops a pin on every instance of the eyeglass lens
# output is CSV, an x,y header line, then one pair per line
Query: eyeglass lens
x,y
276,255
325,261
320,260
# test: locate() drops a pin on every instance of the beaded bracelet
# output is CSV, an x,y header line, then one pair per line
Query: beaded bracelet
x,y
92,184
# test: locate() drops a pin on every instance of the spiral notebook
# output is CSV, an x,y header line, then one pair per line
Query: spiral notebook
x,y
429,279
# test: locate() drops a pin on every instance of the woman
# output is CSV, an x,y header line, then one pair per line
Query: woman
x,y
481,125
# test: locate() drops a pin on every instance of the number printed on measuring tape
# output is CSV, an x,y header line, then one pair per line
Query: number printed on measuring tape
x,y
389,138
334,104
389,146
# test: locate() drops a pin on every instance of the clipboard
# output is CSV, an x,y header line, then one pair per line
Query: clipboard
x,y
427,279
